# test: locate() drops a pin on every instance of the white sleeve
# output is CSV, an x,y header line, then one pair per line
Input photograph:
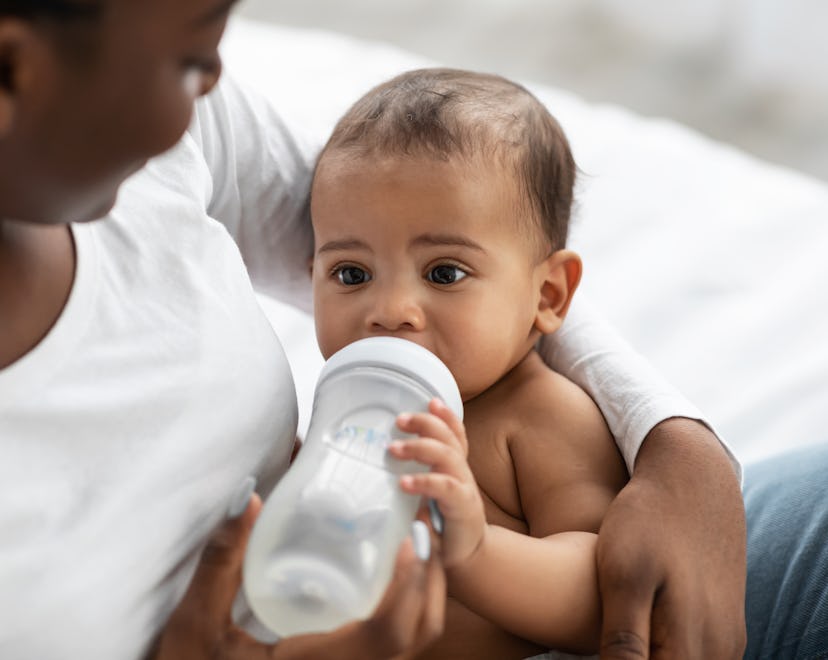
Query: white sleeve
x,y
632,396
261,169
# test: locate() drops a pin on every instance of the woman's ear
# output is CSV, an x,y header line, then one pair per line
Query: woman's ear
x,y
22,55
9,59
557,277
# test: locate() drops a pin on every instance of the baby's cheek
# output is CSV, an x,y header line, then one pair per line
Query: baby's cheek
x,y
327,346
325,334
335,329
467,373
479,364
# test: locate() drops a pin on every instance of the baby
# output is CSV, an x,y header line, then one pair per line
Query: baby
x,y
440,208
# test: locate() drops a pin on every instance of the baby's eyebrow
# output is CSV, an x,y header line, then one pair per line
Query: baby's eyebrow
x,y
446,239
344,244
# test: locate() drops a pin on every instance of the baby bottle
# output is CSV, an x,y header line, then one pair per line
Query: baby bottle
x,y
322,550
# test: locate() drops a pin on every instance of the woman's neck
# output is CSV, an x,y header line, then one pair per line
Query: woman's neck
x,y
37,268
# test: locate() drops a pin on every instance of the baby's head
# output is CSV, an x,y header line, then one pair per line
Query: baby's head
x,y
440,208
482,119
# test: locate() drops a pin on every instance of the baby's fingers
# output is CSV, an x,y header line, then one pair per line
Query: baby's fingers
x,y
440,487
459,501
439,423
437,455
438,408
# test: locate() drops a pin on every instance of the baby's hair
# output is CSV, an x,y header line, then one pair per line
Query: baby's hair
x,y
445,113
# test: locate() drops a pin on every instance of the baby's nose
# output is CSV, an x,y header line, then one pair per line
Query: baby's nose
x,y
396,309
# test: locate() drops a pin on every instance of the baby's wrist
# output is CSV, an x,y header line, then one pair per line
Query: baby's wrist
x,y
467,564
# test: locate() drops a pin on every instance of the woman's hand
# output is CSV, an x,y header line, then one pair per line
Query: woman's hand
x,y
671,552
442,445
409,617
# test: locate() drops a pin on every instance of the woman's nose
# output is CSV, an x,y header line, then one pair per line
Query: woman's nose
x,y
210,78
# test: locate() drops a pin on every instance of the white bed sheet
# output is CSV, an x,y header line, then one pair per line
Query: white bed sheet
x,y
710,262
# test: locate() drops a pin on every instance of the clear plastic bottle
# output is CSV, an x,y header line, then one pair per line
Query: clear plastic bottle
x,y
322,550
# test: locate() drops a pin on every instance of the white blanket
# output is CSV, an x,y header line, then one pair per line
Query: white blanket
x,y
711,263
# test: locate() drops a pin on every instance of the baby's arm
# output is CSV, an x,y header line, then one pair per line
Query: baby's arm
x,y
541,587
544,590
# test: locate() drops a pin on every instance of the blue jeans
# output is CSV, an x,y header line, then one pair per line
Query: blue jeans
x,y
786,500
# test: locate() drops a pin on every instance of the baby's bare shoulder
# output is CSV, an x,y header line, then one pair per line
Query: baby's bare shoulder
x,y
566,462
544,405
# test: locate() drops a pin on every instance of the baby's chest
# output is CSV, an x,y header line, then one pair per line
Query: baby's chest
x,y
494,471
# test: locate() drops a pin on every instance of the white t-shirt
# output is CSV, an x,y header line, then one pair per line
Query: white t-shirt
x,y
126,431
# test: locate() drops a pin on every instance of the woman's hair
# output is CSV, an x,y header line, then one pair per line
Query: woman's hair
x,y
56,9
71,24
445,113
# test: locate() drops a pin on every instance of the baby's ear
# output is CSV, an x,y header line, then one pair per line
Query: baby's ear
x,y
557,277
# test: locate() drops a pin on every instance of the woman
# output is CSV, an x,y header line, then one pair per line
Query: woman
x,y
141,384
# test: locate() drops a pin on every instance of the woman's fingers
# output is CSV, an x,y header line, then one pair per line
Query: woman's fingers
x,y
409,617
218,576
433,614
202,620
412,612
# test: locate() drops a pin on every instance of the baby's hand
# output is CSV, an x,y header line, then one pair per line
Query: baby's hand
x,y
442,445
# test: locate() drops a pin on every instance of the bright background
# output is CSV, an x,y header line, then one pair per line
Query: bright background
x,y
748,72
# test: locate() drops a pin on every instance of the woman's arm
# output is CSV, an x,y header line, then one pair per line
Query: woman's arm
x,y
671,552
632,396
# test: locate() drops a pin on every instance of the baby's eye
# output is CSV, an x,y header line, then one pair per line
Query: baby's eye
x,y
352,275
445,274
